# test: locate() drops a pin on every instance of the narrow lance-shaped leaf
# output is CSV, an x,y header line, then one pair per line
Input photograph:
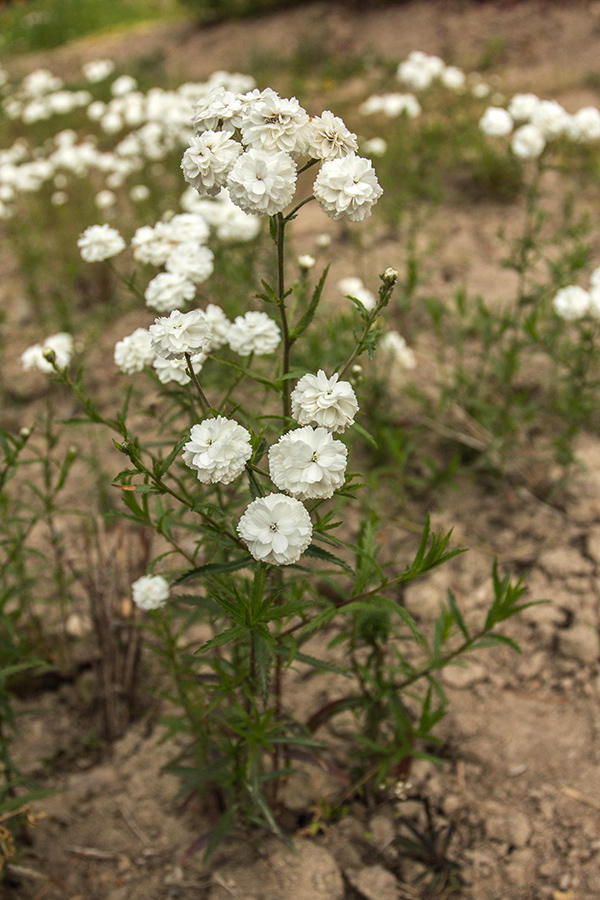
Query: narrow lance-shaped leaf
x,y
308,316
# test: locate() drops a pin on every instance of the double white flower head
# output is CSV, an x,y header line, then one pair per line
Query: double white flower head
x,y
250,143
573,302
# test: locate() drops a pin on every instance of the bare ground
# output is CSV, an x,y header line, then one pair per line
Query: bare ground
x,y
520,783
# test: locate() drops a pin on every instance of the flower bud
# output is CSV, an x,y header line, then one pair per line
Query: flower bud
x,y
25,433
390,277
49,355
356,374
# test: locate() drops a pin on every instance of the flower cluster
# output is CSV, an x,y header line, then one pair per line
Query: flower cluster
x,y
420,70
250,143
533,123
146,127
391,105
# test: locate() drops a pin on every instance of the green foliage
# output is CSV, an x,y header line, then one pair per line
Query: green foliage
x,y
44,24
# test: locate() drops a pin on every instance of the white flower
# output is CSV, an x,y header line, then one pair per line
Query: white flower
x,y
276,528
496,122
481,90
274,123
123,85
218,450
419,70
35,357
330,139
571,302
235,225
105,199
527,142
139,193
152,244
319,400
99,242
255,332
391,105
189,226
98,69
376,146
219,110
168,291
585,124
347,187
180,333
394,346
594,304
308,463
523,106
134,352
150,591
306,261
219,326
262,183
551,118
452,78
354,287
168,370
193,262
595,278
208,160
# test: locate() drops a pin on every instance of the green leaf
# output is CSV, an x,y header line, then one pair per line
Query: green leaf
x,y
365,434
220,831
493,640
319,664
214,569
262,662
166,463
320,553
147,489
226,637
308,316
458,618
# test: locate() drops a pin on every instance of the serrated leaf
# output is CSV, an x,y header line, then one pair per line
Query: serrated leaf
x,y
320,664
214,569
320,553
226,637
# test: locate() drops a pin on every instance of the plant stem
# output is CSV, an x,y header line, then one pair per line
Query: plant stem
x,y
196,383
285,366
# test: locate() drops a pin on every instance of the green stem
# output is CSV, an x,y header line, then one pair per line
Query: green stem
x,y
287,344
192,713
196,383
298,206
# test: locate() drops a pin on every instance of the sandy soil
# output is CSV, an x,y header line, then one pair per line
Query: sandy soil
x,y
520,783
